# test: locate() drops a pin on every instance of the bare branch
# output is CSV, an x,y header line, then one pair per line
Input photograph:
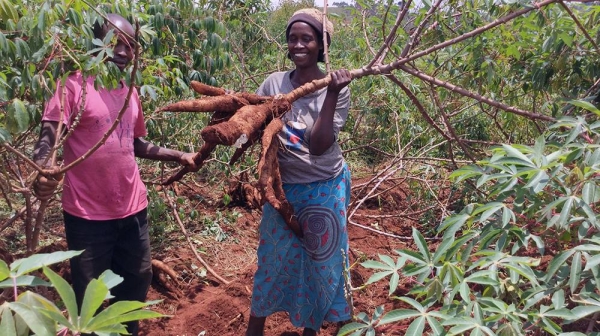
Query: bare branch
x,y
578,23
417,33
365,71
449,127
325,44
466,93
391,36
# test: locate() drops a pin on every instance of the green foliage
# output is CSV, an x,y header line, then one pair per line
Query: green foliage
x,y
180,42
489,274
31,312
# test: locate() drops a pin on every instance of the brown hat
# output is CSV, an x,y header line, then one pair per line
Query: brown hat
x,y
314,18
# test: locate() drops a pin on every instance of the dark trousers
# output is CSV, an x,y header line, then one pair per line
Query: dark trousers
x,y
121,245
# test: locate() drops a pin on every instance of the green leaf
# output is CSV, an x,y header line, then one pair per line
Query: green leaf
x,y
435,289
148,90
442,249
350,327
435,326
558,299
398,315
18,117
585,105
120,312
511,151
43,307
65,292
538,182
412,256
378,276
509,329
4,136
557,262
7,325
580,312
37,261
4,271
592,262
416,327
565,212
590,193
375,265
110,279
57,316
524,271
421,244
39,324
34,300
394,282
452,224
575,272
95,293
413,303
8,11
562,313
23,280
387,260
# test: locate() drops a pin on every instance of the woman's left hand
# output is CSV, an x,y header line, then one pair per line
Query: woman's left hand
x,y
187,159
339,80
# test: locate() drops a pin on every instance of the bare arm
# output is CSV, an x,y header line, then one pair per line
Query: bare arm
x,y
147,150
321,136
45,142
45,184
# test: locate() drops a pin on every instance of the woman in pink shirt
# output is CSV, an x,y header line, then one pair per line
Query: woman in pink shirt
x,y
104,199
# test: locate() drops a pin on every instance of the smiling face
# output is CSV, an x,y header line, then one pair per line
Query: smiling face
x,y
123,50
303,45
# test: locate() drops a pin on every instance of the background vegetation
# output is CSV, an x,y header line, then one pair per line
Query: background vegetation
x,y
516,130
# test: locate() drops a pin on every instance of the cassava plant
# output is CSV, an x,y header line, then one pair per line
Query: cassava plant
x,y
524,259
42,42
411,53
32,313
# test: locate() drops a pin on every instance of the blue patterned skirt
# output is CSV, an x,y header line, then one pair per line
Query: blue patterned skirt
x,y
305,277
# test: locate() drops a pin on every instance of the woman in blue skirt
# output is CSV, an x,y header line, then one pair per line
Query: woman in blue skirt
x,y
304,275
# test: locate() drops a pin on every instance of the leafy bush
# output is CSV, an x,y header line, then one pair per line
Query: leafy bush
x,y
31,312
525,259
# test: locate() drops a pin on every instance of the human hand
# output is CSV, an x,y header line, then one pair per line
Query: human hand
x,y
339,80
187,159
46,183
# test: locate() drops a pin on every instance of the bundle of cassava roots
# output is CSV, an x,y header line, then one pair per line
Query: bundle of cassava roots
x,y
242,119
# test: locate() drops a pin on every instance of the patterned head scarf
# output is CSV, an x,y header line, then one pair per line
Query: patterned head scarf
x,y
314,18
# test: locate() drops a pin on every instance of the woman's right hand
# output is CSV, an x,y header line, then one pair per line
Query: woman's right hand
x,y
339,80
46,183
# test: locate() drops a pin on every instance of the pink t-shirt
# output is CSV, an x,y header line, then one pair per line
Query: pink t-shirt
x,y
106,185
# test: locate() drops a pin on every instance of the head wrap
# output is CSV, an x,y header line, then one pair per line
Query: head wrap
x,y
314,18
